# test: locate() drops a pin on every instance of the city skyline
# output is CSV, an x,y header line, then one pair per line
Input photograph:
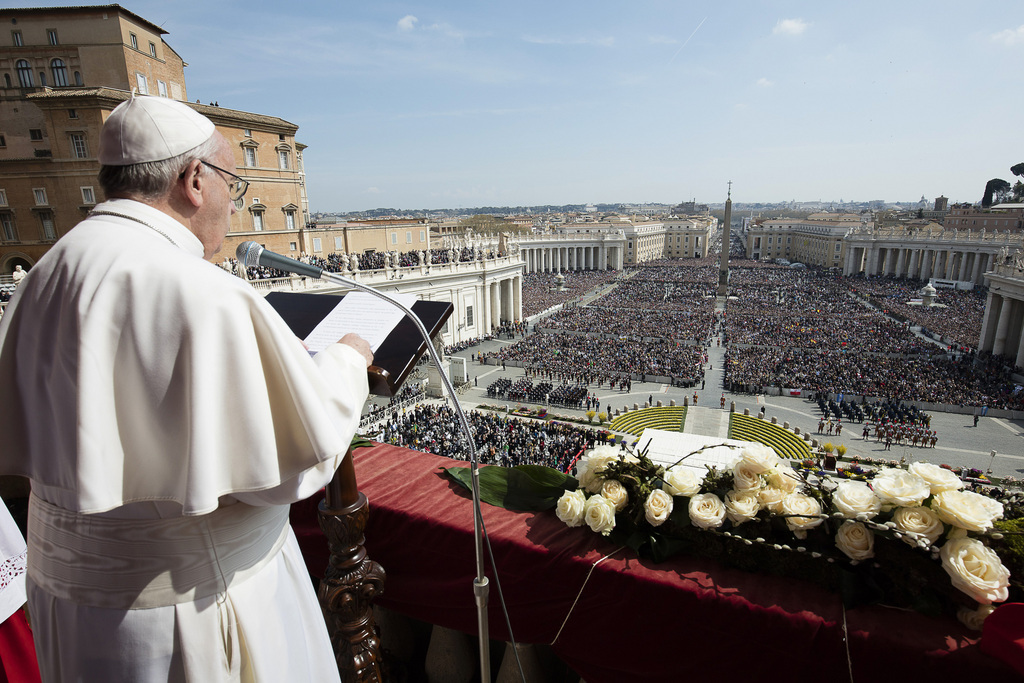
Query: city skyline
x,y
444,105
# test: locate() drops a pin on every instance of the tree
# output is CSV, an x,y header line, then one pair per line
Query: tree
x,y
994,189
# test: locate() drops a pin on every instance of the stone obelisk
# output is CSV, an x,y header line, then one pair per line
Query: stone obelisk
x,y
723,269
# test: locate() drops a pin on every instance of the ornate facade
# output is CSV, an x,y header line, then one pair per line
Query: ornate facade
x,y
1002,329
927,253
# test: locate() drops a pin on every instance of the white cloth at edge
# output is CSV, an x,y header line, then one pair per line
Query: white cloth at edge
x,y
12,565
183,391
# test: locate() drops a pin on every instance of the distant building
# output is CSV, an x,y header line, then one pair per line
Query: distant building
x,y
999,217
64,69
815,240
362,236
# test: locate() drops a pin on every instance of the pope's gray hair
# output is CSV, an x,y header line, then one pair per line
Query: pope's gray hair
x,y
153,179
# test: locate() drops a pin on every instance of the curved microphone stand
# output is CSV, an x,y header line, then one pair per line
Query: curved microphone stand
x,y
252,254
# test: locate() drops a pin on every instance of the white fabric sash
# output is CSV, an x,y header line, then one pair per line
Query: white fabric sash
x,y
143,563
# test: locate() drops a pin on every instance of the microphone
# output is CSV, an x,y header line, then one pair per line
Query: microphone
x,y
252,254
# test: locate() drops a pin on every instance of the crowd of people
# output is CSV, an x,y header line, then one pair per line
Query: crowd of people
x,y
540,291
499,440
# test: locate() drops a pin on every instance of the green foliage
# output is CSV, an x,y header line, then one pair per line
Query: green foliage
x,y
522,488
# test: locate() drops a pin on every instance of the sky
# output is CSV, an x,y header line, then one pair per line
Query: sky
x,y
450,104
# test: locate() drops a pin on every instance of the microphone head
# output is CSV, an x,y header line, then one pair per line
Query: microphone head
x,y
248,253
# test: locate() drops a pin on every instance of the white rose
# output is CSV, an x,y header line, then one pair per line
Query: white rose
x,y
682,481
856,501
771,499
919,521
658,507
760,458
614,491
966,509
746,477
741,506
898,487
974,619
783,478
569,508
805,513
938,478
855,540
975,570
599,514
707,511
590,468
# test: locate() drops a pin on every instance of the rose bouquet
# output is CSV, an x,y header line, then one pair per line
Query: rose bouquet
x,y
911,537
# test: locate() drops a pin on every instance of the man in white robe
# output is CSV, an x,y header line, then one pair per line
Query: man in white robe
x,y
166,417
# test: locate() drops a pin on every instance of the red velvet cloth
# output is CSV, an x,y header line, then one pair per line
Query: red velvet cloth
x,y
635,620
17,651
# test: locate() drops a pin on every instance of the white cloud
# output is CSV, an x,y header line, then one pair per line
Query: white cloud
x,y
1010,36
790,27
407,23
545,40
764,83
372,190
447,30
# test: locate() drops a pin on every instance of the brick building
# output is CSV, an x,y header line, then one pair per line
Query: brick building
x,y
62,71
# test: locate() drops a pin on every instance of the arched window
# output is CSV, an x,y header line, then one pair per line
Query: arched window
x,y
24,73
60,73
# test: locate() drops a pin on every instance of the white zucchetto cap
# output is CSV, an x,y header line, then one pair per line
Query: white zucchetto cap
x,y
148,128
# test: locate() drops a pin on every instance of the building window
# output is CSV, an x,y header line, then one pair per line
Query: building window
x,y
161,88
40,195
7,80
293,246
24,73
3,142
152,49
247,132
289,220
49,232
469,316
51,35
257,220
250,156
134,41
72,114
394,238
339,244
143,84
423,236
42,78
88,195
78,146
408,237
7,225
18,40
317,245
35,134
282,159
78,78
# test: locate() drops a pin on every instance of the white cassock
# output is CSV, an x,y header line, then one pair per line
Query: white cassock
x,y
167,417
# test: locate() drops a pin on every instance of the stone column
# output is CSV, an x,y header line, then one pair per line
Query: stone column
x,y
901,261
999,345
485,300
926,264
915,264
992,305
962,275
948,270
602,263
517,298
976,272
495,305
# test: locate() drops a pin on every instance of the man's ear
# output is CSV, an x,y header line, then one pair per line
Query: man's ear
x,y
191,183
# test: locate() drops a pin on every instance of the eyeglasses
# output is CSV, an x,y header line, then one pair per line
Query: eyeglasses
x,y
236,187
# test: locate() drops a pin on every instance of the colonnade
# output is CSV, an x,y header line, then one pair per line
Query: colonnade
x,y
556,258
1002,329
964,257
502,300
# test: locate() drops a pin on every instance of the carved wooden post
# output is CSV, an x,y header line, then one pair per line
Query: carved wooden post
x,y
352,581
